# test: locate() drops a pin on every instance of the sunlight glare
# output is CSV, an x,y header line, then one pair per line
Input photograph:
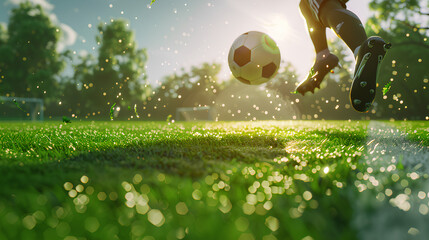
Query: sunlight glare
x,y
276,26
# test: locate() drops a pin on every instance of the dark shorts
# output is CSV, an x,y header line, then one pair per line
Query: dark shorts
x,y
311,9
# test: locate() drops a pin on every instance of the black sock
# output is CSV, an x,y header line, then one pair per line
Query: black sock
x,y
344,22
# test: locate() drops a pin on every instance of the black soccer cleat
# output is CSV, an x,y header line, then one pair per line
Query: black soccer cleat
x,y
317,74
368,62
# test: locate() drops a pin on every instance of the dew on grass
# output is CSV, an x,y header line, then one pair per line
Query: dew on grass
x,y
401,201
181,208
156,217
68,186
72,193
307,195
272,223
423,209
29,222
92,224
142,208
84,179
248,209
326,170
262,180
79,188
101,196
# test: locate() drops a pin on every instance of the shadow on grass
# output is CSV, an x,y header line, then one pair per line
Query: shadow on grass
x,y
188,157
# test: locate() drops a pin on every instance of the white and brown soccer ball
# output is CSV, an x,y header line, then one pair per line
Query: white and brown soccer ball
x,y
254,58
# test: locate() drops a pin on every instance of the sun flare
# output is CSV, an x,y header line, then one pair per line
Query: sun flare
x,y
277,26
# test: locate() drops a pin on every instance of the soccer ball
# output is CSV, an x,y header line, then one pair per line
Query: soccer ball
x,y
254,58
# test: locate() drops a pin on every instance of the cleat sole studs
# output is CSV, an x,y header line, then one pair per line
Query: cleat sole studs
x,y
357,101
363,84
387,46
372,91
367,56
362,65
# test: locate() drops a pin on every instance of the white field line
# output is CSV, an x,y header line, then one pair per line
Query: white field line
x,y
401,212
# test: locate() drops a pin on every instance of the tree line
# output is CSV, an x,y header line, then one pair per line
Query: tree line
x,y
115,79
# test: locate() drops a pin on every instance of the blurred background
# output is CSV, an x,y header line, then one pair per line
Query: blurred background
x,y
133,60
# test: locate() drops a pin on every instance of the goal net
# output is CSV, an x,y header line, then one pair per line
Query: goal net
x,y
16,108
195,114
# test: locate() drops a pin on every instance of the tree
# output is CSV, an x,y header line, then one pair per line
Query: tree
x,y
76,85
4,55
118,75
30,62
408,12
3,35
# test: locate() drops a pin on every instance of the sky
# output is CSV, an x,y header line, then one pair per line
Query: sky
x,y
179,34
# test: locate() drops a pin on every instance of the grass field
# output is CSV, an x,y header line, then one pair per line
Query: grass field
x,y
232,180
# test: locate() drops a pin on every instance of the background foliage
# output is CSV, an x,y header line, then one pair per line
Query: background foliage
x,y
31,66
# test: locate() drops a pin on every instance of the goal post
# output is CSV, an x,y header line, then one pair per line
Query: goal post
x,y
18,108
206,113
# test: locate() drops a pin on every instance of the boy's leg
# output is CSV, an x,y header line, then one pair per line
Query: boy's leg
x,y
316,30
345,23
369,52
325,61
